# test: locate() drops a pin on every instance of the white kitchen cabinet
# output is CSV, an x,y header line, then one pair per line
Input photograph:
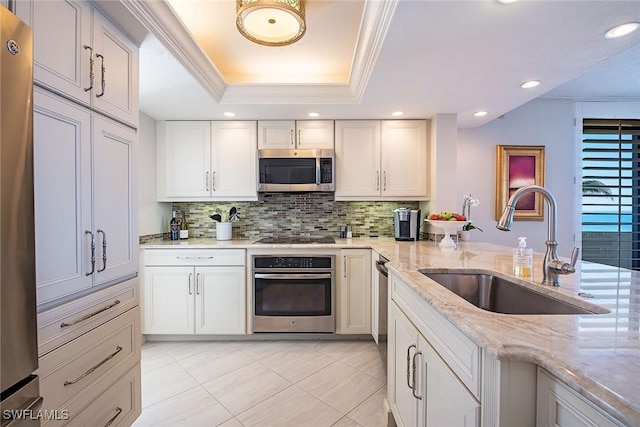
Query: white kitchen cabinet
x,y
378,160
558,405
203,160
192,292
423,391
354,292
302,134
81,54
85,199
375,295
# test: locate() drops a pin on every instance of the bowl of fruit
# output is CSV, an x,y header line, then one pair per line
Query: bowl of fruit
x,y
447,221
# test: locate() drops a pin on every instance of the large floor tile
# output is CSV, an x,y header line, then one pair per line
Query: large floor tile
x,y
371,412
346,422
292,407
215,363
246,387
164,382
297,361
154,356
261,349
342,350
192,408
341,386
184,349
367,359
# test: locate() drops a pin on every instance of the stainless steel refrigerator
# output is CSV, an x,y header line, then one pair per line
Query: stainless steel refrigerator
x,y
20,399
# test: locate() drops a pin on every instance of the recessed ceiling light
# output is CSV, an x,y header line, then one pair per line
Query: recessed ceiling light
x,y
314,114
529,84
480,113
622,30
397,113
229,114
507,1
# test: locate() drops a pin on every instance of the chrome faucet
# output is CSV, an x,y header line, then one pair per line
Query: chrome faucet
x,y
553,267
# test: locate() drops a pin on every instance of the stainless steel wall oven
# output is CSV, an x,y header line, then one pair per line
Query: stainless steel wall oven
x,y
293,293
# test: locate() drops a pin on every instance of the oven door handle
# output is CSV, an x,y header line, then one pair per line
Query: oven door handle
x,y
292,276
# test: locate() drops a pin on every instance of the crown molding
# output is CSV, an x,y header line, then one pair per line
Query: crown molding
x,y
160,19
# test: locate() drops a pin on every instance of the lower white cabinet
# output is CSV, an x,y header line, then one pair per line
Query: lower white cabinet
x,y
354,292
560,406
422,390
194,299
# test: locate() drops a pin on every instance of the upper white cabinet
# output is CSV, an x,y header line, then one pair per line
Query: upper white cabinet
x,y
377,160
81,54
203,160
303,135
85,198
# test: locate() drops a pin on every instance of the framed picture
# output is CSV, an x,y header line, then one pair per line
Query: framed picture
x,y
518,166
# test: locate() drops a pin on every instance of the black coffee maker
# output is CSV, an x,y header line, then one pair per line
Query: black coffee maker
x,y
406,223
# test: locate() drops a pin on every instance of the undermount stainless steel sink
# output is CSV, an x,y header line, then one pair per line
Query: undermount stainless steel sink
x,y
499,295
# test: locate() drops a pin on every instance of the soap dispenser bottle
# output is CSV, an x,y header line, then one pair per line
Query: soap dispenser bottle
x,y
522,259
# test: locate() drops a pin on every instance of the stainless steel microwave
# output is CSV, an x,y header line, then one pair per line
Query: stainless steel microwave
x,y
296,170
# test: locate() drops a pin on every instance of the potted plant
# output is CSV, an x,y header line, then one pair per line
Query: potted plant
x,y
467,202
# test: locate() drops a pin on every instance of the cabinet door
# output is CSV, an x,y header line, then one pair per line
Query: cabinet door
x,y
168,300
184,160
404,158
115,90
354,297
115,221
220,300
234,160
375,296
276,134
61,30
402,342
312,134
445,400
62,196
358,173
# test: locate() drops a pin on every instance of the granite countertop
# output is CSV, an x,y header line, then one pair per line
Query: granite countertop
x,y
596,355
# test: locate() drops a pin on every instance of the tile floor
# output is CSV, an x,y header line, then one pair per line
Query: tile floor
x,y
262,383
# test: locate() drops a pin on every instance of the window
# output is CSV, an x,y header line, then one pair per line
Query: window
x,y
611,192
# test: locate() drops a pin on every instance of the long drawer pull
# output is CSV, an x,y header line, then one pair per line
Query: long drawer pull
x,y
409,384
194,257
413,369
106,359
118,412
90,315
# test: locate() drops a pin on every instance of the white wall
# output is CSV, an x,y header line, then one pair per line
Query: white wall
x,y
539,122
153,216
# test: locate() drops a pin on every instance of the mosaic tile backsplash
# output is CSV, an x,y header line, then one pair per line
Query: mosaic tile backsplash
x,y
295,214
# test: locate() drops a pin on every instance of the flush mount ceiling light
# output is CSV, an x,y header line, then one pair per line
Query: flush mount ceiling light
x,y
397,113
313,114
622,30
271,22
229,114
480,113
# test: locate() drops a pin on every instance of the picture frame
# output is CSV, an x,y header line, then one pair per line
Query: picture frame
x,y
518,166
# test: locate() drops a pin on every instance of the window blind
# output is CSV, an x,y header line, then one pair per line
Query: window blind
x,y
611,192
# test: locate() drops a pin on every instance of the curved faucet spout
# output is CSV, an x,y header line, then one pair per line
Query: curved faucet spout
x,y
552,266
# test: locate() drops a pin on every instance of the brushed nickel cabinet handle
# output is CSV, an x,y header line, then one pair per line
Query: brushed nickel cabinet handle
x,y
103,70
93,253
118,412
299,137
90,315
377,180
91,370
190,276
91,74
413,368
198,284
291,137
213,181
408,362
104,250
206,181
385,181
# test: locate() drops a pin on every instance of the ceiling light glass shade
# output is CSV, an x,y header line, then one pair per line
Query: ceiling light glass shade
x,y
271,22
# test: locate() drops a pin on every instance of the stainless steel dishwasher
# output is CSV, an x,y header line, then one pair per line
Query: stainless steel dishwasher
x,y
383,307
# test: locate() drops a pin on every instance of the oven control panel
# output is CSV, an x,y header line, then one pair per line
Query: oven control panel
x,y
293,262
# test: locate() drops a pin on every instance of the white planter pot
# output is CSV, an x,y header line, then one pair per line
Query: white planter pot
x,y
465,235
223,231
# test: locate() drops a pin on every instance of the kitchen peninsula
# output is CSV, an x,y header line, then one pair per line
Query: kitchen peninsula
x,y
596,356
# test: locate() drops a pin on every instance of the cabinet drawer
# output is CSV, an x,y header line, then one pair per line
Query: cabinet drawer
x,y
119,405
459,351
194,257
63,323
89,359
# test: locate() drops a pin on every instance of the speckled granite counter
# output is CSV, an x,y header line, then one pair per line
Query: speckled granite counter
x,y
597,355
